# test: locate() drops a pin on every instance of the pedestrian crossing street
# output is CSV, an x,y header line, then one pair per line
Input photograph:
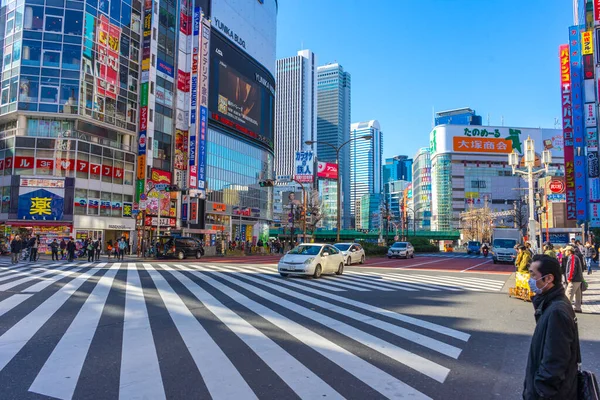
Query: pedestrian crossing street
x,y
159,331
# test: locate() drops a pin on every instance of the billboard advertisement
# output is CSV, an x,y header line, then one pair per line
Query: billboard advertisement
x,y
590,115
567,123
251,26
41,204
591,138
241,94
108,47
304,165
193,136
327,170
593,166
203,88
578,121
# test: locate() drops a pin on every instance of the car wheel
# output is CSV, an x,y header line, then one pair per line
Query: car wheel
x,y
180,255
349,260
362,260
340,269
317,273
412,255
283,275
198,254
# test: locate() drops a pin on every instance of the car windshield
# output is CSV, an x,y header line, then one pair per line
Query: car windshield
x,y
505,243
474,244
399,245
342,246
306,250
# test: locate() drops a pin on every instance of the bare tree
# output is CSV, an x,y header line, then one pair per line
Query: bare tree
x,y
477,223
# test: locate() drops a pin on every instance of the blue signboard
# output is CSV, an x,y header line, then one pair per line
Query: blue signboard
x,y
578,121
41,205
164,67
202,146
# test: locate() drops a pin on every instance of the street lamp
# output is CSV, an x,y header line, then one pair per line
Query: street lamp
x,y
337,160
529,161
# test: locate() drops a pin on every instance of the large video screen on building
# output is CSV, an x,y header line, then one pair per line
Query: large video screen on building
x,y
241,94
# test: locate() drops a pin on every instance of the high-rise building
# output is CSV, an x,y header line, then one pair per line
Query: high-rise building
x,y
333,126
398,168
421,189
295,109
365,160
458,116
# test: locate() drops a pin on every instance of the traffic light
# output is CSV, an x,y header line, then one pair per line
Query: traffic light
x,y
171,188
266,183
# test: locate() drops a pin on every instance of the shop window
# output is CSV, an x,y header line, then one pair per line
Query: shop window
x,y
51,58
54,23
34,18
71,57
73,22
48,94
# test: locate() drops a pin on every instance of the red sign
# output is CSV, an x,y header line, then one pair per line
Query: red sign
x,y
556,186
597,10
95,169
164,221
64,165
183,81
143,118
24,162
118,173
83,166
1,165
327,170
193,210
44,164
567,122
8,163
160,176
107,170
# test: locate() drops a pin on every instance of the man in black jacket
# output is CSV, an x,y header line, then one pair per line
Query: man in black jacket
x,y
71,249
574,278
15,249
552,364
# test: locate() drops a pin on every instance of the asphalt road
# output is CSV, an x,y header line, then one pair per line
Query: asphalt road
x,y
206,330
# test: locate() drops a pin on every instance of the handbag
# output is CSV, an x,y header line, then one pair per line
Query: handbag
x,y
584,286
587,383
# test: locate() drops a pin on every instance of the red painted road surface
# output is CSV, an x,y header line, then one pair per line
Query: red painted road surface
x,y
478,265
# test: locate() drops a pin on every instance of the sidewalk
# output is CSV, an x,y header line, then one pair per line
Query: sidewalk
x,y
591,297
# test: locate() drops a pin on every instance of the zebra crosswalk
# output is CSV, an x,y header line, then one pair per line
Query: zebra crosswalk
x,y
158,330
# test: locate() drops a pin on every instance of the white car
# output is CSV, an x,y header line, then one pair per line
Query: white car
x,y
312,259
352,252
401,249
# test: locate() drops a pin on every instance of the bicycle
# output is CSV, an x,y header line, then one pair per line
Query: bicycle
x,y
26,253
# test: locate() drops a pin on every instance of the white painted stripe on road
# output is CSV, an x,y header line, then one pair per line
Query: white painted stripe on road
x,y
426,341
376,310
475,266
478,287
299,378
366,285
222,379
411,360
38,287
486,281
140,373
375,283
436,281
15,270
60,373
26,271
409,279
39,275
17,337
379,380
8,304
381,281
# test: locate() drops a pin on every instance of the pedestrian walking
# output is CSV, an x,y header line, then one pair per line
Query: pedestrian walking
x,y
63,247
90,251
579,246
552,363
54,249
15,249
71,250
109,248
589,253
523,259
34,243
574,278
122,247
97,248
549,250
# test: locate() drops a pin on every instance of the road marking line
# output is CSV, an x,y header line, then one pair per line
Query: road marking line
x,y
59,375
412,280
222,379
39,275
379,380
376,284
13,340
475,266
297,376
407,285
140,376
11,302
349,282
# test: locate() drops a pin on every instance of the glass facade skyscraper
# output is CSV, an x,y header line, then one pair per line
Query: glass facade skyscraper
x,y
421,189
333,125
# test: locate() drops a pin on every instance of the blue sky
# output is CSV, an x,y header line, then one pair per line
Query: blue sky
x,y
499,57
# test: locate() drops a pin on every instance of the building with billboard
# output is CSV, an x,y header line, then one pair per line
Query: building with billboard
x,y
241,114
469,166
295,109
421,189
365,160
458,116
333,126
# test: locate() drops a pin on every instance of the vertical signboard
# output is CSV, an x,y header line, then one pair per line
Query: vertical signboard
x,y
567,123
304,166
203,94
596,11
183,102
575,60
193,134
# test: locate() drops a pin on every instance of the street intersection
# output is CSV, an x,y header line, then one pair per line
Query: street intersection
x,y
202,329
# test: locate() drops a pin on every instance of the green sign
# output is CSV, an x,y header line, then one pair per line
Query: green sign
x,y
144,94
482,132
513,135
139,189
433,143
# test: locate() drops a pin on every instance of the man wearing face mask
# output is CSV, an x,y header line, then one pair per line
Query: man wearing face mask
x,y
552,364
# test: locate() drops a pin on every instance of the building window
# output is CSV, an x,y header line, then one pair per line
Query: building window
x,y
54,23
478,184
49,94
73,22
51,58
28,90
34,18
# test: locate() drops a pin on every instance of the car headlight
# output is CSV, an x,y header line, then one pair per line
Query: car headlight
x,y
309,260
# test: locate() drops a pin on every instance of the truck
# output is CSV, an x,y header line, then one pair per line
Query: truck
x,y
504,241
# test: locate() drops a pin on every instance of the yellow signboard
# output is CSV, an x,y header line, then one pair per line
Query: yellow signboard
x,y
587,43
141,167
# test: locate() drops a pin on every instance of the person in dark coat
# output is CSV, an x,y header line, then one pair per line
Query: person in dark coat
x,y
574,277
54,249
63,247
552,363
71,249
15,249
